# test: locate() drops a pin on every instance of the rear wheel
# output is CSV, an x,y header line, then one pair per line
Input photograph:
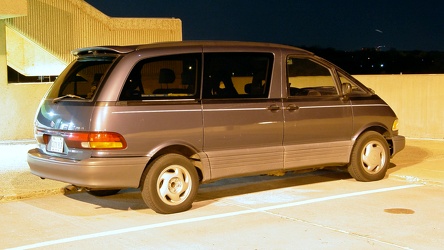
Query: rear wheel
x,y
170,185
370,157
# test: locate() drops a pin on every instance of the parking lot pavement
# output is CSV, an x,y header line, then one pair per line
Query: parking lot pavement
x,y
16,181
422,161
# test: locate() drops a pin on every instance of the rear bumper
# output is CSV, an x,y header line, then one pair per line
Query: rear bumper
x,y
91,172
398,144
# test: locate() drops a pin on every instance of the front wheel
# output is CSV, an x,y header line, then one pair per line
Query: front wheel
x,y
370,157
170,185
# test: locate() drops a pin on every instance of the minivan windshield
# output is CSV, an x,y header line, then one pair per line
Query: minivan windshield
x,y
81,79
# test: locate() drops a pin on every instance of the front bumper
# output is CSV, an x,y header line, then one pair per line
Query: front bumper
x,y
91,172
398,144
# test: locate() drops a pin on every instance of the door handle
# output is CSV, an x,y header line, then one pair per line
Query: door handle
x,y
274,107
292,107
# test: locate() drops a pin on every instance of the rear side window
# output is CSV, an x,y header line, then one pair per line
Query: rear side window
x,y
82,78
237,75
309,78
166,77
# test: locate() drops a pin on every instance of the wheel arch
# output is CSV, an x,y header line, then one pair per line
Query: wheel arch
x,y
379,128
183,149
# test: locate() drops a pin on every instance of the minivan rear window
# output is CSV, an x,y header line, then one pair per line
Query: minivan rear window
x,y
81,79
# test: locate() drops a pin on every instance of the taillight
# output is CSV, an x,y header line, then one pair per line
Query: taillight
x,y
91,140
95,140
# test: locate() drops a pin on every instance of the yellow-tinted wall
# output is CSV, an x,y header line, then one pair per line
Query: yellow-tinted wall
x,y
418,100
18,104
63,25
57,27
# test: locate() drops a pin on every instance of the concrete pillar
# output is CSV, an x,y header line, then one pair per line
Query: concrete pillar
x,y
3,62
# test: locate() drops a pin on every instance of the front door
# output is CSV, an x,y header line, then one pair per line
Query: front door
x,y
318,121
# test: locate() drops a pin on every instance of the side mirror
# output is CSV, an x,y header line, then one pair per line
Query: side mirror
x,y
346,89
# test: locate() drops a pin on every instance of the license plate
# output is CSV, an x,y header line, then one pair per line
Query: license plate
x,y
56,144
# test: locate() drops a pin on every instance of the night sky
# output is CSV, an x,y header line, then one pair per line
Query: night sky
x,y
343,25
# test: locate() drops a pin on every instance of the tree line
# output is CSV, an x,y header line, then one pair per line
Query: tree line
x,y
375,61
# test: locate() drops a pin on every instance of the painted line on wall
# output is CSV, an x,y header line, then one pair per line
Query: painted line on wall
x,y
210,217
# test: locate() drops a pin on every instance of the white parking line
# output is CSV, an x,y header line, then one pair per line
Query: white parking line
x,y
210,217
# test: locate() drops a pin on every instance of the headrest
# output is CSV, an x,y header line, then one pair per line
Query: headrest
x,y
166,76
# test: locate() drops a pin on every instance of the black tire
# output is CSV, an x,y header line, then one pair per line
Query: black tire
x,y
104,192
370,157
170,185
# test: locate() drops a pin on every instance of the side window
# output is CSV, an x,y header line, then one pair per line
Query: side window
x,y
308,78
167,77
237,75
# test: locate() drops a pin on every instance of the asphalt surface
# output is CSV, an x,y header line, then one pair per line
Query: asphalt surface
x,y
422,161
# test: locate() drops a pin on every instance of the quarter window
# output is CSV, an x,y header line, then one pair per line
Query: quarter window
x,y
356,90
237,75
308,78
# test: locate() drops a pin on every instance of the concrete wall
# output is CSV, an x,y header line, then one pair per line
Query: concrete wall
x,y
13,8
57,27
418,100
61,26
18,102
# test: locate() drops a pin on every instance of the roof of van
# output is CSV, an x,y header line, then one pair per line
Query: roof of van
x,y
131,48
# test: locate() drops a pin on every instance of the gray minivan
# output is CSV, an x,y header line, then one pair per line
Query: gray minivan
x,y
167,117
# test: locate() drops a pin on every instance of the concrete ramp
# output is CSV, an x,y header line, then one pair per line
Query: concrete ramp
x,y
30,59
40,42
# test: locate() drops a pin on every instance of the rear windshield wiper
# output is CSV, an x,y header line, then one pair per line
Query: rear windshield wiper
x,y
55,100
